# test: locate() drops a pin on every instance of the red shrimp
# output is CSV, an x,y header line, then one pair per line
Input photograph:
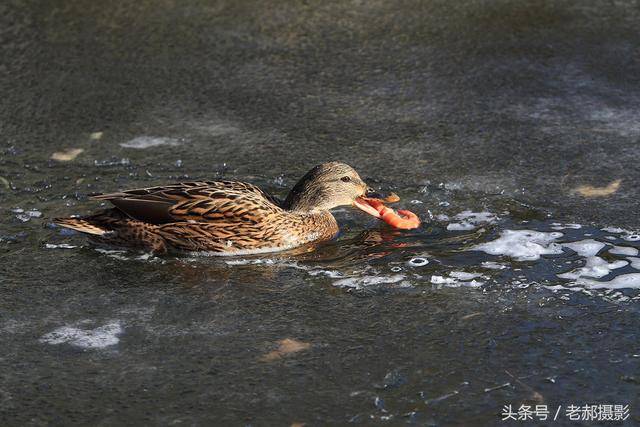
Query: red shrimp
x,y
406,220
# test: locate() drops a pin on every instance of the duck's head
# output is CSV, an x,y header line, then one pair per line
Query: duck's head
x,y
327,186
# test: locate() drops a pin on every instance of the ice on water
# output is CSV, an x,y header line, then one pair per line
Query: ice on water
x,y
459,278
530,245
100,337
594,267
624,250
142,142
468,220
360,282
623,281
572,257
523,245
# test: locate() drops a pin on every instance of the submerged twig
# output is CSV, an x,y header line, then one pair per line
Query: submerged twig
x,y
498,387
535,396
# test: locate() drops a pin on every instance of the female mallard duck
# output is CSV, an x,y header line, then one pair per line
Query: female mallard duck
x,y
225,217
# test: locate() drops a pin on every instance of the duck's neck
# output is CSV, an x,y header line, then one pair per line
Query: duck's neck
x,y
303,197
300,202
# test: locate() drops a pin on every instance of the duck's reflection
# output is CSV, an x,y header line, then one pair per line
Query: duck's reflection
x,y
264,271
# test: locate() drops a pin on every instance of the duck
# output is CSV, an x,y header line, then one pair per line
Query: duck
x,y
225,217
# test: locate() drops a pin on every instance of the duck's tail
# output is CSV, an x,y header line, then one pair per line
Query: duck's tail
x,y
112,227
82,225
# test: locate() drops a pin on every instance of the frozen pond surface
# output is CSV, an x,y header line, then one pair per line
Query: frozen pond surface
x,y
511,128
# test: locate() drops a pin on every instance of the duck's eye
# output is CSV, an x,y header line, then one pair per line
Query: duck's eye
x,y
345,179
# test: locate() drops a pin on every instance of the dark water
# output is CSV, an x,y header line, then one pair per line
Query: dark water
x,y
487,118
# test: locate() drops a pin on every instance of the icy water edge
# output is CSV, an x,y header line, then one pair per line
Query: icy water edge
x,y
479,308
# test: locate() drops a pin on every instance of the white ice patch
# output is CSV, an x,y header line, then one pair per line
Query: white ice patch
x,y
264,261
142,142
123,255
312,271
585,248
559,226
457,279
328,273
493,265
460,226
463,275
522,245
629,236
623,250
594,267
59,246
470,220
25,216
615,230
100,337
365,281
635,262
441,280
624,281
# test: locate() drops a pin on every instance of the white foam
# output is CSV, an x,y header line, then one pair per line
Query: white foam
x,y
100,337
522,245
594,267
142,142
365,281
585,248
624,250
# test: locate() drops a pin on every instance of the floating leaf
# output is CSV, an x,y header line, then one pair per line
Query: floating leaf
x,y
67,155
591,191
285,347
5,182
95,136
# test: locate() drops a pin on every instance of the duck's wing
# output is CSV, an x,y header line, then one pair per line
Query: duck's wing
x,y
200,201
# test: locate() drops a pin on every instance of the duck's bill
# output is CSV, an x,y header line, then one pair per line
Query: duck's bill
x,y
363,204
403,219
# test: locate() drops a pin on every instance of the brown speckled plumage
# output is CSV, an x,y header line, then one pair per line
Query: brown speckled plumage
x,y
223,217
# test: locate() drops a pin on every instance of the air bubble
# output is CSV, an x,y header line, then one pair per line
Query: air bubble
x,y
418,262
